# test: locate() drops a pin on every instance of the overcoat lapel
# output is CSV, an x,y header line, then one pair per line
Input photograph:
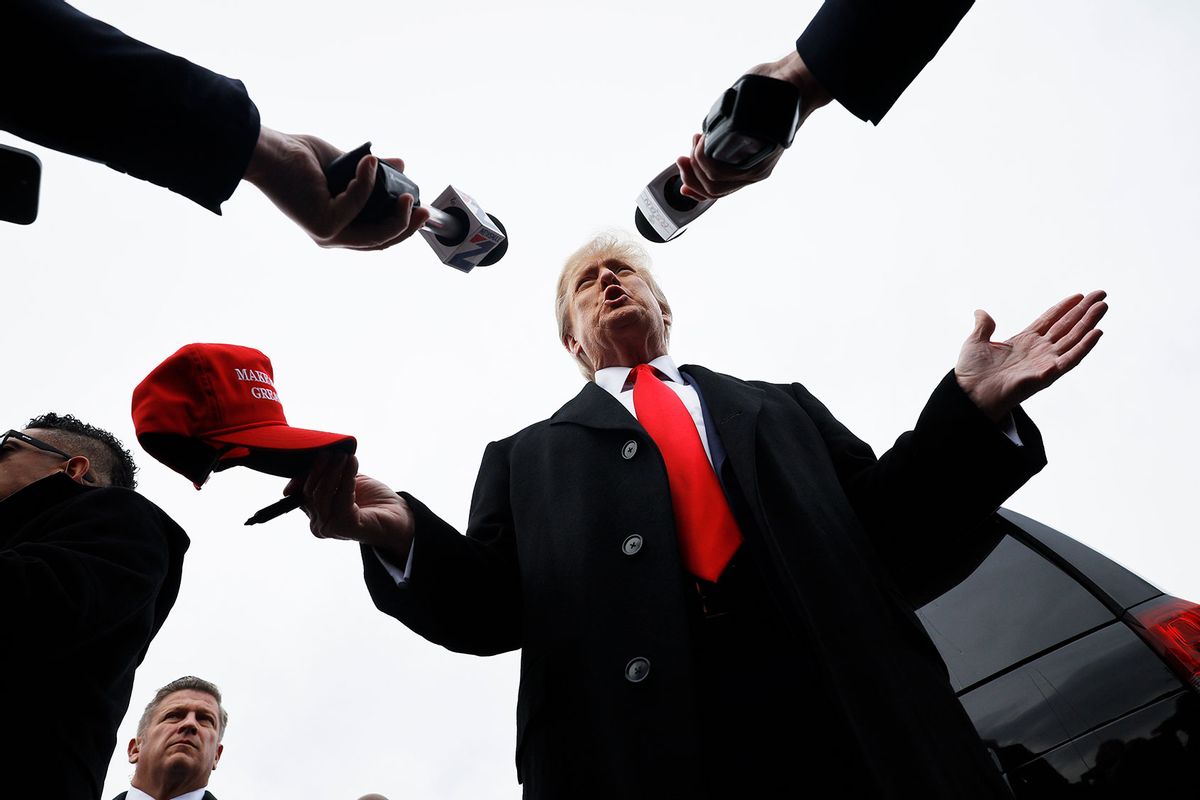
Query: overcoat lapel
x,y
733,407
595,408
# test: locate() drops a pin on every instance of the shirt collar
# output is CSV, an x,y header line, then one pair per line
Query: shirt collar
x,y
612,379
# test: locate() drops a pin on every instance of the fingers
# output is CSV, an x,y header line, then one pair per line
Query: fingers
x,y
1042,324
416,221
1069,360
691,182
1067,322
329,495
985,326
1085,321
402,223
346,206
704,178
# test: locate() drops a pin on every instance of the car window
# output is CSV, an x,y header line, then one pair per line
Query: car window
x,y
1014,605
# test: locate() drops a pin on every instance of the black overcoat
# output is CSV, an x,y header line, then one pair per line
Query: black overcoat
x,y
543,567
87,578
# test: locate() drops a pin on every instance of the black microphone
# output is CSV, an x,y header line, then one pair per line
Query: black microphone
x,y
463,235
750,122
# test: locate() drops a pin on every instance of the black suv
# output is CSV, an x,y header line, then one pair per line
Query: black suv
x,y
1082,679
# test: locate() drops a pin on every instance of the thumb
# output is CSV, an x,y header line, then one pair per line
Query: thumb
x,y
345,207
985,326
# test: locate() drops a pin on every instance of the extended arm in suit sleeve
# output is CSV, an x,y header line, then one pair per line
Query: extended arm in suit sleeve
x,y
464,591
953,469
77,85
103,561
866,52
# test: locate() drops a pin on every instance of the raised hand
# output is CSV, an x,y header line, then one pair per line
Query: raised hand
x,y
341,504
290,172
998,376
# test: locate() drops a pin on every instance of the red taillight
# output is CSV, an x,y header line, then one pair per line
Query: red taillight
x,y
1172,627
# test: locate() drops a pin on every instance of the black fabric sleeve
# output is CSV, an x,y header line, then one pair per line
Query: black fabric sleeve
x,y
80,86
926,503
866,52
463,591
954,465
102,562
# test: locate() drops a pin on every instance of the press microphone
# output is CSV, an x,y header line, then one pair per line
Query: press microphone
x,y
461,233
750,122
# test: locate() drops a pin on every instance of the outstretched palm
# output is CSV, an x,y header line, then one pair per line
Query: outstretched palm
x,y
1000,375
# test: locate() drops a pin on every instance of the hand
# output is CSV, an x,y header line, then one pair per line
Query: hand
x,y
341,504
290,171
998,376
705,179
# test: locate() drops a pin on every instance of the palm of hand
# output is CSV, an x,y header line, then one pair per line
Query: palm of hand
x,y
1015,369
998,376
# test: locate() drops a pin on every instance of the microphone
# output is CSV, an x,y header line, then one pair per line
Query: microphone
x,y
460,232
750,122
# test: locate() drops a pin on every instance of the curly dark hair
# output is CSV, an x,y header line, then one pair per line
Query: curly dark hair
x,y
112,464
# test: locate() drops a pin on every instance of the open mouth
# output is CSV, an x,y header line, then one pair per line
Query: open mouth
x,y
614,293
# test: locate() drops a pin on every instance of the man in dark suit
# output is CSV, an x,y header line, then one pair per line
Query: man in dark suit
x,y
178,742
862,53
89,570
653,663
75,84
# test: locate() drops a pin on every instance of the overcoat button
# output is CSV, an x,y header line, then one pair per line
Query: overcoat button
x,y
631,545
629,450
637,669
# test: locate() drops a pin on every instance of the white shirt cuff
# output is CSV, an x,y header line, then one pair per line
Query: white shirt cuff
x,y
400,576
1009,426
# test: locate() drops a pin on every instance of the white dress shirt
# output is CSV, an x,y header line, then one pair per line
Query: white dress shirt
x,y
137,794
613,380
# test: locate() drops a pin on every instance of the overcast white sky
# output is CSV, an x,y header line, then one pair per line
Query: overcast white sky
x,y
1049,149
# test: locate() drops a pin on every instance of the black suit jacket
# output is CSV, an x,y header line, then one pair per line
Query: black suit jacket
x,y
542,568
87,577
866,52
78,85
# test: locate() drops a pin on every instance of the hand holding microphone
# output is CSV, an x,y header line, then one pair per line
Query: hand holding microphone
x,y
744,135
462,234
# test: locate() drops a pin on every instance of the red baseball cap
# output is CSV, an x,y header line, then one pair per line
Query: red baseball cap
x,y
210,407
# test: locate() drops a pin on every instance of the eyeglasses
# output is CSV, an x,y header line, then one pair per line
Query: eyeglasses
x,y
40,445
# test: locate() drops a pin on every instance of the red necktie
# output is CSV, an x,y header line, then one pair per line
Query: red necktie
x,y
708,534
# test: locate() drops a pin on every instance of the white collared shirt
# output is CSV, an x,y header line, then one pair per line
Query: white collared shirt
x,y
613,380
137,794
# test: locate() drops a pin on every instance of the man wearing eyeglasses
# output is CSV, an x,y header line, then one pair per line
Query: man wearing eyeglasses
x,y
89,570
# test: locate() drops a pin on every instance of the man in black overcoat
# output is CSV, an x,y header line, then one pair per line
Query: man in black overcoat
x,y
89,570
802,658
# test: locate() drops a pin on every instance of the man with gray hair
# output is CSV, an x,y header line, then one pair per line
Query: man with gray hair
x,y
89,570
711,580
178,742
